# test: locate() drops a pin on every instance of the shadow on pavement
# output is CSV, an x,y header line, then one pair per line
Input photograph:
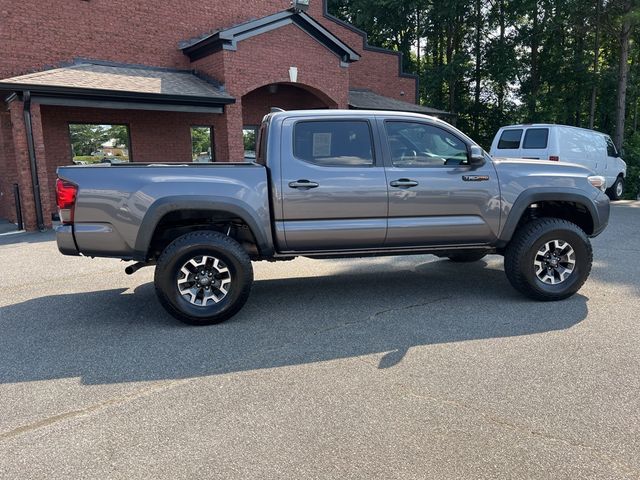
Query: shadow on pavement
x,y
27,237
117,336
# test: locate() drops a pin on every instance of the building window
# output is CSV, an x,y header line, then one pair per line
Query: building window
x,y
202,148
249,138
99,143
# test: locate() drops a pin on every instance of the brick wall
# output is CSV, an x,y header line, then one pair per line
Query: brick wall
x,y
8,168
47,32
155,136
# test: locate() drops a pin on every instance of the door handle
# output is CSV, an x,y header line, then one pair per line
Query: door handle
x,y
304,185
404,183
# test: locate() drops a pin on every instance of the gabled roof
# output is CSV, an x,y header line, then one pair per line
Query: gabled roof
x,y
228,38
121,83
363,99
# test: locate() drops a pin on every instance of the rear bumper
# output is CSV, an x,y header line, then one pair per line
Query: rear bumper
x,y
66,242
602,213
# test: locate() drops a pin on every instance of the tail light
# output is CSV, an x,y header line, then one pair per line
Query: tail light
x,y
66,193
554,158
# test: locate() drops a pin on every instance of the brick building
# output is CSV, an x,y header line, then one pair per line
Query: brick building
x,y
163,69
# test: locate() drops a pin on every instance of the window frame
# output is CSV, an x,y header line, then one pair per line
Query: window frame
x,y
367,121
212,141
523,140
521,130
389,155
124,124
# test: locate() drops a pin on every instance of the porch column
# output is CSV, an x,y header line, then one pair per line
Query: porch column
x,y
233,132
21,152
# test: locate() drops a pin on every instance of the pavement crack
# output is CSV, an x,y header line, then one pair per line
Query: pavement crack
x,y
91,409
526,430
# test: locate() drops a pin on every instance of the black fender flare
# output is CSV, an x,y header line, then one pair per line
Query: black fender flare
x,y
163,206
545,194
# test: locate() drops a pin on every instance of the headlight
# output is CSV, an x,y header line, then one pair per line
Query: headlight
x,y
599,182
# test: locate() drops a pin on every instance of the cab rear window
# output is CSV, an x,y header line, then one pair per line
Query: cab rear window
x,y
510,139
536,138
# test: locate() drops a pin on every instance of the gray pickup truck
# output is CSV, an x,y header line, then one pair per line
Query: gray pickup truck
x,y
331,184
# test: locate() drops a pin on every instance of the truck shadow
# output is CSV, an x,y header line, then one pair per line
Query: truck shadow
x,y
385,308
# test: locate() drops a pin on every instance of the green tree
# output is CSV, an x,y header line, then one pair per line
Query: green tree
x,y
86,139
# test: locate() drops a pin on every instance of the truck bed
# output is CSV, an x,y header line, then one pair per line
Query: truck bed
x,y
118,206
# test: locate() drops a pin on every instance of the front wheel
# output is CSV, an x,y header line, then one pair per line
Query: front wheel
x,y
548,259
203,278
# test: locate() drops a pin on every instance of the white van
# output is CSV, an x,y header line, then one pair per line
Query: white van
x,y
591,149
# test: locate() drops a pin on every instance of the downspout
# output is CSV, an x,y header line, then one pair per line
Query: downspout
x,y
31,147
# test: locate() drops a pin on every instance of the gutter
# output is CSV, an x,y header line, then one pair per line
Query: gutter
x,y
35,182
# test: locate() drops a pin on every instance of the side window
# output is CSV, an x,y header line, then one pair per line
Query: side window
x,y
612,151
334,143
99,143
510,140
421,145
202,150
249,139
536,138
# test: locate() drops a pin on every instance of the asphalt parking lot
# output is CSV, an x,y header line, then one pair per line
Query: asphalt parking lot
x,y
401,368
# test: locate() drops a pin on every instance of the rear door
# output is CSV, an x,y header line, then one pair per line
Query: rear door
x,y
334,188
535,143
435,196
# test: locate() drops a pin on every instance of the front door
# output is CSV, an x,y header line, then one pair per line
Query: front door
x,y
334,188
435,196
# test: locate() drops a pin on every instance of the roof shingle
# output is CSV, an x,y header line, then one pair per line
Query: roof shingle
x,y
124,78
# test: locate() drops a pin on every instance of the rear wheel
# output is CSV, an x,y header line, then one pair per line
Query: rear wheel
x,y
203,278
617,189
548,259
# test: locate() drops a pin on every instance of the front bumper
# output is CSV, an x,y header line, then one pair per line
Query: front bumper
x,y
66,242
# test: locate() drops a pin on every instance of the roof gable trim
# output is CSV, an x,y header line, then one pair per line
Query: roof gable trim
x,y
228,39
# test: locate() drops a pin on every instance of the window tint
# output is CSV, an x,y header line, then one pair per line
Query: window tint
x,y
510,140
612,151
334,143
420,145
536,138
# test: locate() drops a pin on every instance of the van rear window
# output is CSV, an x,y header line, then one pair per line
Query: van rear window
x,y
510,140
536,138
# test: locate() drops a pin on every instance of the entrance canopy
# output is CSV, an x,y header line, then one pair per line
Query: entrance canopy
x,y
103,85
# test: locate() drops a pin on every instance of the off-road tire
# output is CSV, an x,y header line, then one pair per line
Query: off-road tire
x,y
523,248
466,257
617,189
195,245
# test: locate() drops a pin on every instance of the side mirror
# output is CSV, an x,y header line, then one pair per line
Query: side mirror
x,y
476,156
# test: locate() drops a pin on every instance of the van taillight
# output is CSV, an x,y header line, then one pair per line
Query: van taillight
x,y
554,158
66,199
